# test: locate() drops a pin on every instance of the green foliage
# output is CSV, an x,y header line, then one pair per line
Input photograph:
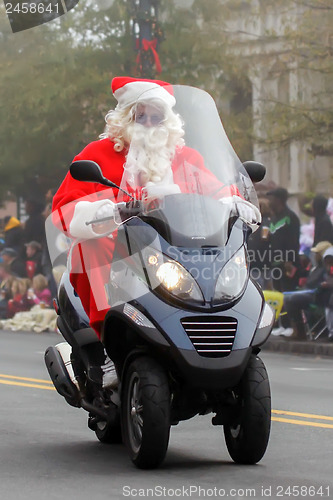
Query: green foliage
x,y
219,44
55,83
307,45
55,79
55,92
198,53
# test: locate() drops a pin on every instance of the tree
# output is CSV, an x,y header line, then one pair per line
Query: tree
x,y
270,60
304,48
54,92
54,86
196,52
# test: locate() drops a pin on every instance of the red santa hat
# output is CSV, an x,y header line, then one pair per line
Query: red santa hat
x,y
129,90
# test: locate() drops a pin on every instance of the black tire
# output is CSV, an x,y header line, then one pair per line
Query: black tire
x,y
107,433
247,437
145,412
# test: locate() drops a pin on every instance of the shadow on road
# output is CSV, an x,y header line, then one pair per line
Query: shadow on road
x,y
92,458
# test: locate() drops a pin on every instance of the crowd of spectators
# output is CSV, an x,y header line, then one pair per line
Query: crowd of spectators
x,y
26,277
279,260
303,273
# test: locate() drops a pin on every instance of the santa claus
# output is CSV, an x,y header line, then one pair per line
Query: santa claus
x,y
145,120
142,147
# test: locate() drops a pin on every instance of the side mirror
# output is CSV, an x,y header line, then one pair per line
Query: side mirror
x,y
256,171
88,171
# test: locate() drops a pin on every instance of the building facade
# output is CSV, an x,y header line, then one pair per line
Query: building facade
x,y
282,44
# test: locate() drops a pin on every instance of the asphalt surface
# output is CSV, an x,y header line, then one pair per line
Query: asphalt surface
x,y
47,451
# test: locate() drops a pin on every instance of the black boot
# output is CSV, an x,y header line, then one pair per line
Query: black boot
x,y
100,368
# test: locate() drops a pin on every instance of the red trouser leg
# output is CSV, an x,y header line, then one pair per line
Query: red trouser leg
x,y
91,264
81,284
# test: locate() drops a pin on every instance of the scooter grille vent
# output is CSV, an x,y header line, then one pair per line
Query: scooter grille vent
x,y
211,337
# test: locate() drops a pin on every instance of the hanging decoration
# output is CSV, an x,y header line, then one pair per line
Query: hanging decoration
x,y
147,35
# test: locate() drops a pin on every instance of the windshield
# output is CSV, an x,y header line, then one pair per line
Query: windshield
x,y
178,176
191,137
177,162
180,162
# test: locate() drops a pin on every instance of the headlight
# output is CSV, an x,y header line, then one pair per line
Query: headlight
x,y
232,278
172,276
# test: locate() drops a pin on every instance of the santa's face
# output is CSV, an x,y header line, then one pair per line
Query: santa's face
x,y
149,115
151,132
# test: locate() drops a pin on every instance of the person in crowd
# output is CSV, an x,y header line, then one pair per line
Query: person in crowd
x,y
49,198
15,263
144,119
258,248
34,226
13,234
33,261
305,268
327,285
284,241
6,279
20,301
313,294
39,293
323,227
46,264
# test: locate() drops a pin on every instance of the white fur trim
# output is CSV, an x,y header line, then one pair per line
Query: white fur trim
x,y
134,92
84,212
158,190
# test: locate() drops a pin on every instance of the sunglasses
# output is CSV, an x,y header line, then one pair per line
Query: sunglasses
x,y
155,118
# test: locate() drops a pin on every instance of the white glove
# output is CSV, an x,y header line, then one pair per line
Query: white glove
x,y
153,190
86,211
105,210
248,212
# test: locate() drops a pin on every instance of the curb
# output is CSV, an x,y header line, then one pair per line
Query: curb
x,y
283,345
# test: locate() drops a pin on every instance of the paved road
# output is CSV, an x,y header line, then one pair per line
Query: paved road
x,y
47,451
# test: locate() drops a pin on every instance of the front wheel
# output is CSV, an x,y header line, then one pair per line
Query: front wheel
x,y
145,412
247,437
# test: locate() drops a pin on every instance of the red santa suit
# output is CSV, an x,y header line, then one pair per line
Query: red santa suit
x,y
91,259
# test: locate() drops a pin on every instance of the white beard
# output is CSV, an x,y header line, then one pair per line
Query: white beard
x,y
150,155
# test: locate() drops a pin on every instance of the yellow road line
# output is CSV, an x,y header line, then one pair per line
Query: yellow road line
x,y
9,382
25,378
304,415
14,380
302,422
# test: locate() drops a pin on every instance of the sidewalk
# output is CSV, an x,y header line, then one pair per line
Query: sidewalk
x,y
284,345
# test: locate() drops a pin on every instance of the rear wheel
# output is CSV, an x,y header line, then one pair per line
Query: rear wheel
x,y
145,412
108,433
247,437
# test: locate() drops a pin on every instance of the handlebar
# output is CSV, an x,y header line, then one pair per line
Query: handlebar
x,y
123,212
129,209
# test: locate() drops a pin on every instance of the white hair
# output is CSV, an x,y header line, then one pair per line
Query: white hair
x,y
117,122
